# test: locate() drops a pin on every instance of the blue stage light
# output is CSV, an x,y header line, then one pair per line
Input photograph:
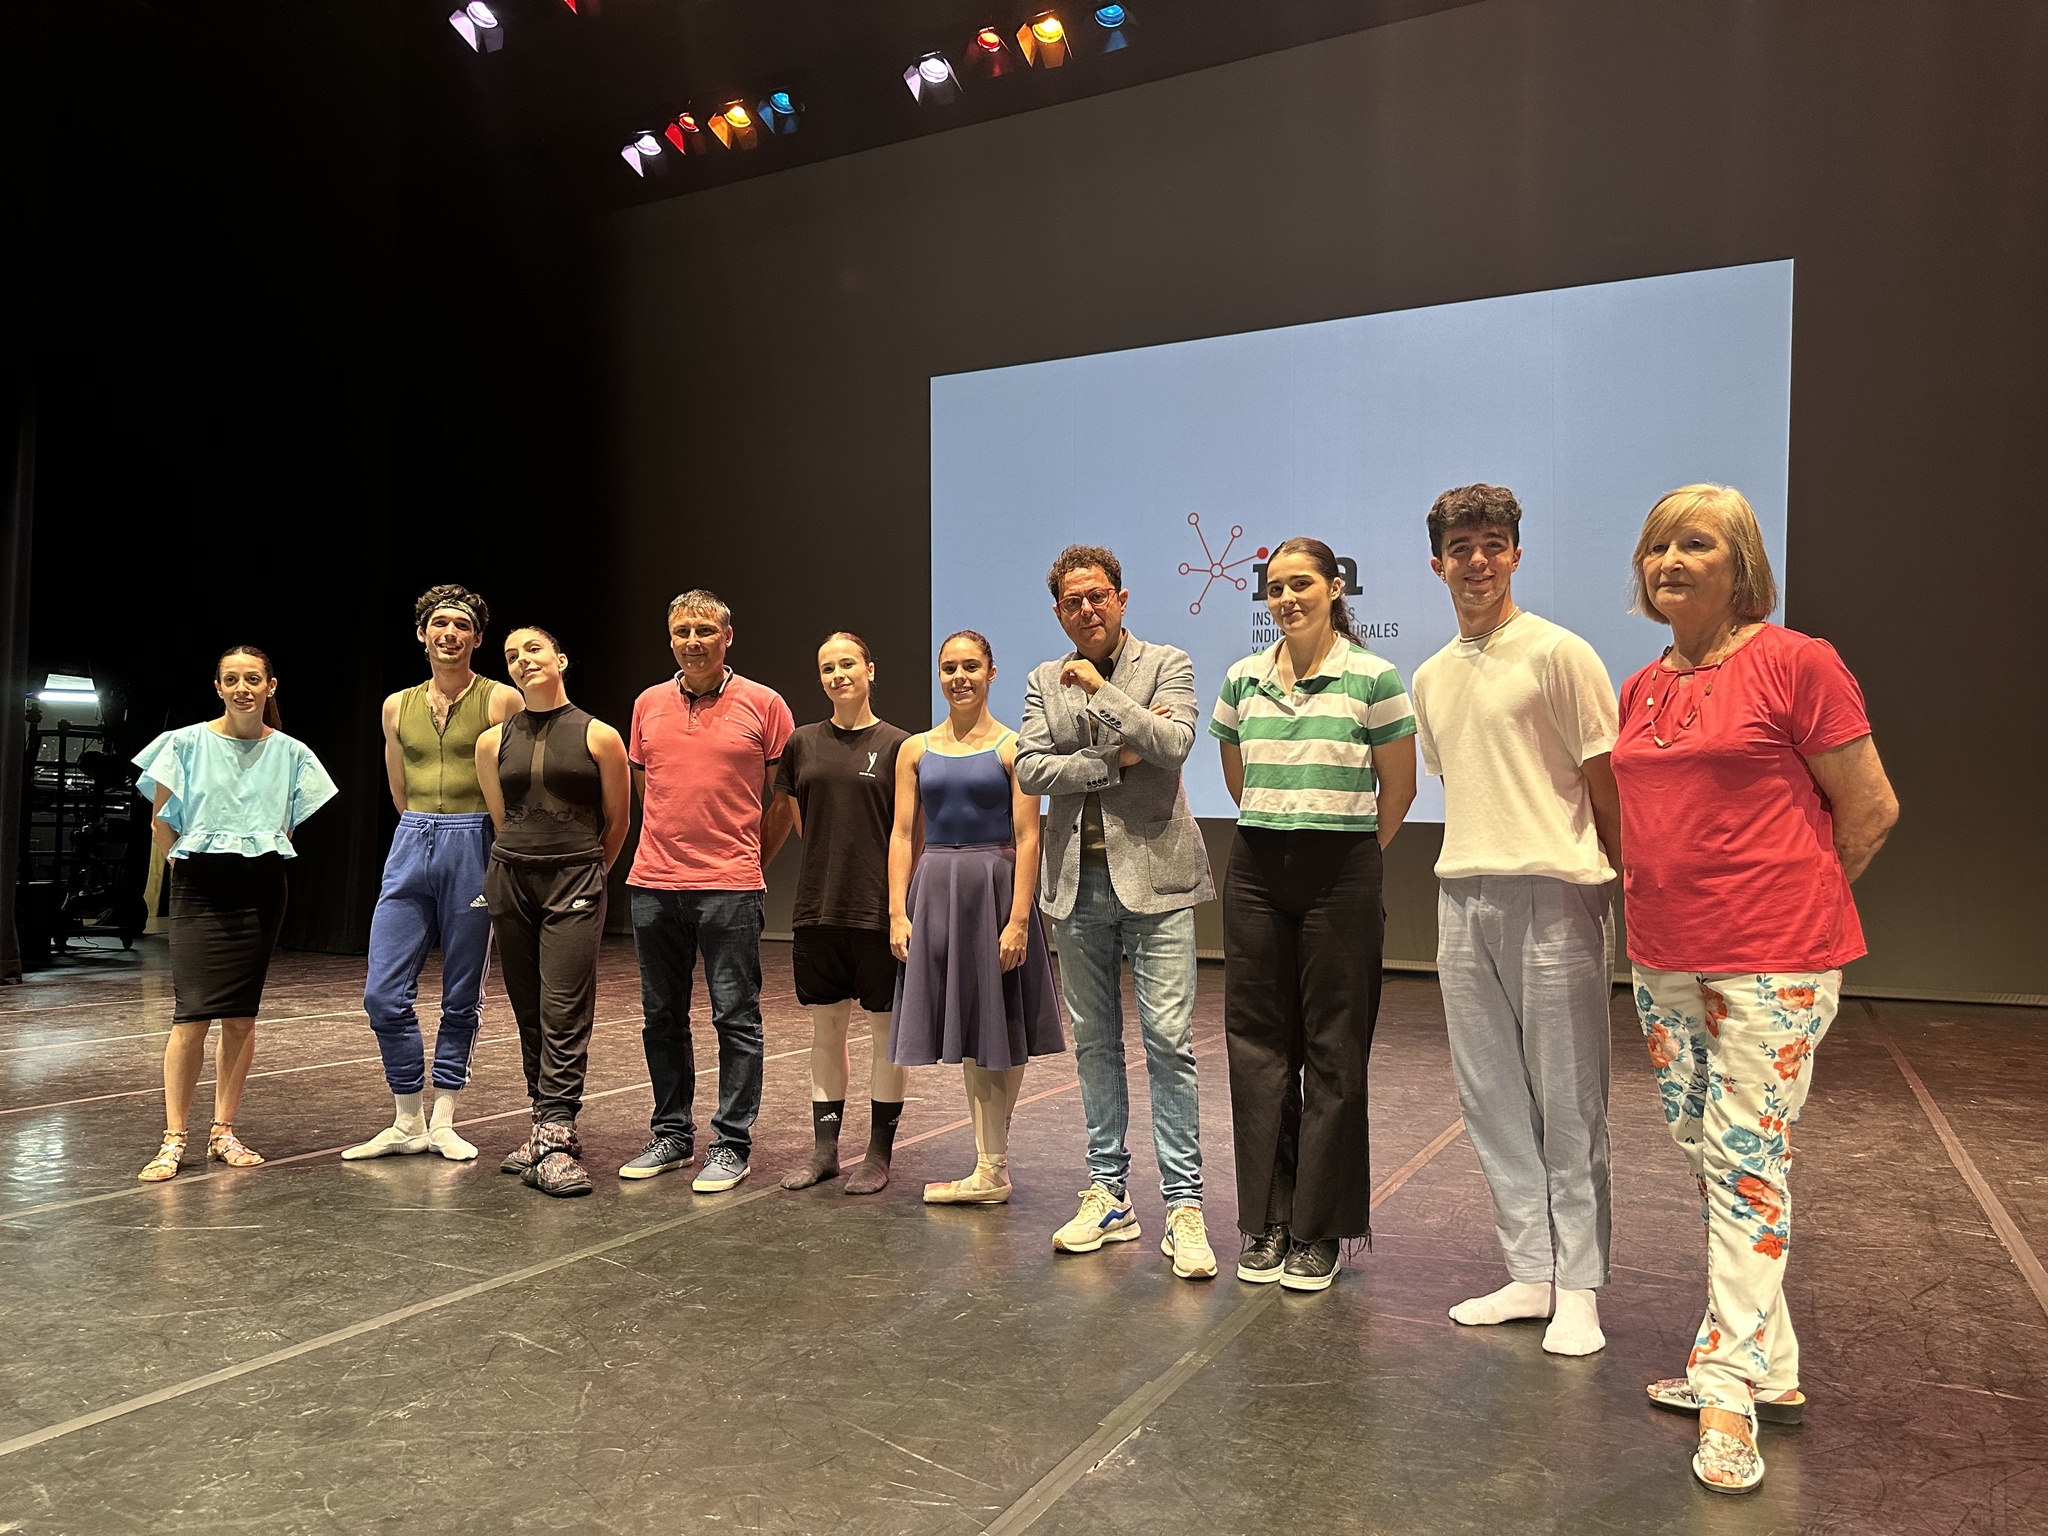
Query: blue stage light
x,y
778,112
1112,23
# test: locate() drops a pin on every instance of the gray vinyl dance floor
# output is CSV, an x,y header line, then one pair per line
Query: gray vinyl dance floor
x,y
412,1345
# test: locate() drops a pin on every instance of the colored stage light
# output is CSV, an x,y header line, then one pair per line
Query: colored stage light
x,y
1112,28
988,56
688,135
1043,41
478,24
643,154
734,126
931,81
778,112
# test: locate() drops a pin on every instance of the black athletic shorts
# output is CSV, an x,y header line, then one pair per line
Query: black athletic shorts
x,y
835,964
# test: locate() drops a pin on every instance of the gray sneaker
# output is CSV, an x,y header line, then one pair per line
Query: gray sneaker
x,y
664,1154
722,1169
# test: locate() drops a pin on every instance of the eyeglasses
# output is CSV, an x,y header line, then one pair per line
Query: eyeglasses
x,y
1101,597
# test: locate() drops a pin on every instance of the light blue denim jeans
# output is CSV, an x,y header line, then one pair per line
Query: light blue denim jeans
x,y
1093,941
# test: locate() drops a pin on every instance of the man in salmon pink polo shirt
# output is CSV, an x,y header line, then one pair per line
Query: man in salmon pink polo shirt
x,y
704,749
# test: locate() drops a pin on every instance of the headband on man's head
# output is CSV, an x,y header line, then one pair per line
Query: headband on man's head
x,y
456,605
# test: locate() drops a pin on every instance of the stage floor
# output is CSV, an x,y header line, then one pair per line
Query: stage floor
x,y
415,1345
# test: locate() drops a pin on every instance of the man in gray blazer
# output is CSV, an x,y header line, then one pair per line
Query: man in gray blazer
x,y
1106,729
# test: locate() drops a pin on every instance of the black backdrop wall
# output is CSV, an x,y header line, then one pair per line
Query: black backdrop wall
x,y
304,345
770,345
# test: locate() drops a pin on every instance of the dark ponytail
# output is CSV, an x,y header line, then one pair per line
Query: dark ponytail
x,y
271,717
1324,559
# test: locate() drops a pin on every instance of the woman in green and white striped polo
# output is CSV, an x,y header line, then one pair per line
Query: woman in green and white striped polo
x,y
1319,753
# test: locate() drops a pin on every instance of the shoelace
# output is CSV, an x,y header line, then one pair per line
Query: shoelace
x,y
1186,1224
1096,1202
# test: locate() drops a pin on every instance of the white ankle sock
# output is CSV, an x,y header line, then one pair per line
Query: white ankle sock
x,y
1575,1327
442,1133
408,1118
1518,1298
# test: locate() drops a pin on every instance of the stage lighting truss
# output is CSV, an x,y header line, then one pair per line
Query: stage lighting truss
x,y
1112,28
478,25
643,154
779,112
1044,42
932,82
733,125
989,56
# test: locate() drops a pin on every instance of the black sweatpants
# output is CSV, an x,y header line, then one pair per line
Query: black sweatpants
x,y
547,921
1302,929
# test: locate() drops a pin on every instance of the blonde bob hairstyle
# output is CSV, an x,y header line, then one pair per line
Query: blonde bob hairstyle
x,y
1728,512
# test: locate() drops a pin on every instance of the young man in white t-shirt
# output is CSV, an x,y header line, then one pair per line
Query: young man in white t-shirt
x,y
1517,717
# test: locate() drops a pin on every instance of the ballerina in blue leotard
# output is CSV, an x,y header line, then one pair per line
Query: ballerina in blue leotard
x,y
976,985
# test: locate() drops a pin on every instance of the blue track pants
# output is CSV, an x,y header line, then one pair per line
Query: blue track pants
x,y
433,894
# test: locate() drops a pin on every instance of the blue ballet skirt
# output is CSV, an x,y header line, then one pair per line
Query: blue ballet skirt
x,y
954,1000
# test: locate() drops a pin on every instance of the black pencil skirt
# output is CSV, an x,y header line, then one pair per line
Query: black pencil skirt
x,y
226,911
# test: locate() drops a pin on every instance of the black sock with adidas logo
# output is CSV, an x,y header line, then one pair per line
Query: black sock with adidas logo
x,y
826,1114
872,1176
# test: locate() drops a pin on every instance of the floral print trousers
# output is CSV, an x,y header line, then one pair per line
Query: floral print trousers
x,y
1734,1056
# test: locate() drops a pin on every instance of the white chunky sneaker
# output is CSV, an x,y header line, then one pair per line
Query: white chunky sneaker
x,y
1103,1218
1187,1244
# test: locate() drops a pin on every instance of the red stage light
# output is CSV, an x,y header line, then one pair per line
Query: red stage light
x,y
989,56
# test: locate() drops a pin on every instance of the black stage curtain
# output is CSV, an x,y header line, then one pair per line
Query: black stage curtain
x,y
16,539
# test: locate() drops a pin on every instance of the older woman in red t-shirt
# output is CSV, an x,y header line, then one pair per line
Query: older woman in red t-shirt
x,y
1751,795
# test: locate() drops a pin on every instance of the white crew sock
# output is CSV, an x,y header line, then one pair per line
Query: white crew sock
x,y
442,1133
409,1119
1516,1299
1575,1328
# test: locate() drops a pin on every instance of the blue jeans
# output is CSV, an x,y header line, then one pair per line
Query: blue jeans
x,y
670,928
432,894
1093,941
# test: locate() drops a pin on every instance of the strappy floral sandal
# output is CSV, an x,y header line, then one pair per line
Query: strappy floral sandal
x,y
224,1146
169,1158
988,1185
1675,1393
1727,1463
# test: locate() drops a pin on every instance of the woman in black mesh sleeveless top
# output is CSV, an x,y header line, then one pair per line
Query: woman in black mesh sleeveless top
x,y
557,785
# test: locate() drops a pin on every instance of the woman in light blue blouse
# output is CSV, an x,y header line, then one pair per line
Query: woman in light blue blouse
x,y
226,796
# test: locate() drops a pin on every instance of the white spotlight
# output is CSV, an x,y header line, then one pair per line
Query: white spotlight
x,y
68,688
643,154
931,81
478,24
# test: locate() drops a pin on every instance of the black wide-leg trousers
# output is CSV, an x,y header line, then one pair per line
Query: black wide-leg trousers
x,y
1302,931
548,921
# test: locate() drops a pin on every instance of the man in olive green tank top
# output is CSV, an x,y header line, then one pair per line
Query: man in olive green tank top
x,y
434,876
